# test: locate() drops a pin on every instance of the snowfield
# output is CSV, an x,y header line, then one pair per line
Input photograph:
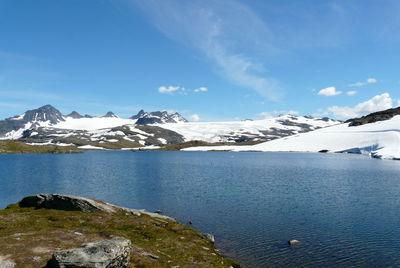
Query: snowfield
x,y
220,131
380,140
93,123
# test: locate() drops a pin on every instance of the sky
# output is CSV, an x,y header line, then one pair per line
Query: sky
x,y
210,60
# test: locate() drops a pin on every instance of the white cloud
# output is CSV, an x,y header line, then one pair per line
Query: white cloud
x,y
377,103
351,93
357,84
329,91
368,81
201,89
194,117
276,113
225,32
168,89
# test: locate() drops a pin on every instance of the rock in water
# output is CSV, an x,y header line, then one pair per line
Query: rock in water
x,y
293,242
209,237
112,253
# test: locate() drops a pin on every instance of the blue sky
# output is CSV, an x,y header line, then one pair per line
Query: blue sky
x,y
207,59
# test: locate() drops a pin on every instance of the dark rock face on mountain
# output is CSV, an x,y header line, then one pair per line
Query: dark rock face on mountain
x,y
40,126
44,113
138,115
75,115
157,117
110,115
374,117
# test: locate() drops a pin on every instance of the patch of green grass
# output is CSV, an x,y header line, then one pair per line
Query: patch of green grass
x,y
29,236
180,146
17,147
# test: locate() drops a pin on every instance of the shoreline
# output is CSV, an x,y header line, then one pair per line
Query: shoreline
x,y
44,224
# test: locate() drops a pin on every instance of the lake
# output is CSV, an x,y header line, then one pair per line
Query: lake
x,y
345,209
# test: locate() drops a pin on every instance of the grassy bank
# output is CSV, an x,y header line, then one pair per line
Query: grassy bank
x,y
16,147
180,146
29,236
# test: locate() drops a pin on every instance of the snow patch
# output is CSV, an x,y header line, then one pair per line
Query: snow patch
x,y
91,147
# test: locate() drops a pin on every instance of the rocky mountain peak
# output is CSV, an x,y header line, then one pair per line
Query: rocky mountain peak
x,y
138,115
110,115
43,114
75,114
157,117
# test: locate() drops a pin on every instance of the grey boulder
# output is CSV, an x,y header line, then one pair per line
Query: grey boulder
x,y
5,263
111,253
65,202
77,203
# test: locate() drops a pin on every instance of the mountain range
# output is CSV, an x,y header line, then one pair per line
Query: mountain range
x,y
47,125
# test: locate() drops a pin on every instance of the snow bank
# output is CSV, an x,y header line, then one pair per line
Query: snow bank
x,y
93,123
379,139
91,147
215,131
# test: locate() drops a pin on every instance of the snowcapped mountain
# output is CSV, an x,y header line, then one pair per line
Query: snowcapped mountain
x,y
371,135
46,125
13,127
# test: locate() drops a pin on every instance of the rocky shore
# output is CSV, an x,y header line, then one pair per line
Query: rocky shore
x,y
52,230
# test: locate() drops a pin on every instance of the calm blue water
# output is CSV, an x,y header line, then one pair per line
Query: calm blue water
x,y
344,208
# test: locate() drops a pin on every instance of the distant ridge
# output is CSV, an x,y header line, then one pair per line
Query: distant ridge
x,y
158,117
46,125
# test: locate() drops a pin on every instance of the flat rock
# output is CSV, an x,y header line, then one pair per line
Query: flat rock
x,y
65,202
77,203
111,253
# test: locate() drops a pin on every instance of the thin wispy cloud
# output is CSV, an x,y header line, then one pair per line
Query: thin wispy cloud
x,y
10,105
224,32
28,95
201,89
366,82
178,89
351,93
